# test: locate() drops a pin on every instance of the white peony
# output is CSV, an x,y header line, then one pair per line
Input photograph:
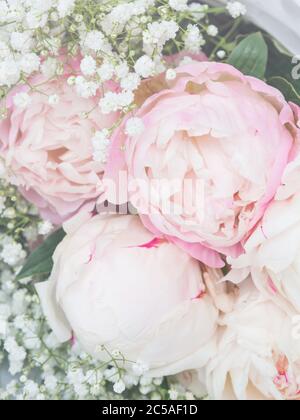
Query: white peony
x,y
115,284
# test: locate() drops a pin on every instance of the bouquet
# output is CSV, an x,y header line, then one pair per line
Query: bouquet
x,y
149,201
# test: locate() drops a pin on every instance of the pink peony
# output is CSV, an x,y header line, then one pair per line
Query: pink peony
x,y
258,356
258,353
48,148
115,285
230,133
272,252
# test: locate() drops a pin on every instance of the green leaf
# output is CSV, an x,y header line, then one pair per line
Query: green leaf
x,y
251,56
40,260
286,88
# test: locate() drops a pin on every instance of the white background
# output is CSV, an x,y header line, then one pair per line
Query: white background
x,y
279,17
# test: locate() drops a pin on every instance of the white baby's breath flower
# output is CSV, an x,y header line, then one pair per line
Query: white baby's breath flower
x,y
50,382
166,30
236,9
65,7
100,156
85,88
12,253
122,70
131,379
102,133
10,344
4,10
212,30
15,367
130,82
20,304
21,41
145,66
146,389
171,74
124,99
100,139
96,41
5,312
11,387
197,10
101,144
30,63
221,54
145,380
51,341
88,66
193,39
107,104
9,72
115,21
139,368
157,34
178,5
31,390
119,387
49,67
81,390
36,19
4,49
22,100
32,343
106,72
134,126
45,227
93,377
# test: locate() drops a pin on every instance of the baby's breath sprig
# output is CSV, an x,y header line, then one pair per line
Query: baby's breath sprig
x,y
124,41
